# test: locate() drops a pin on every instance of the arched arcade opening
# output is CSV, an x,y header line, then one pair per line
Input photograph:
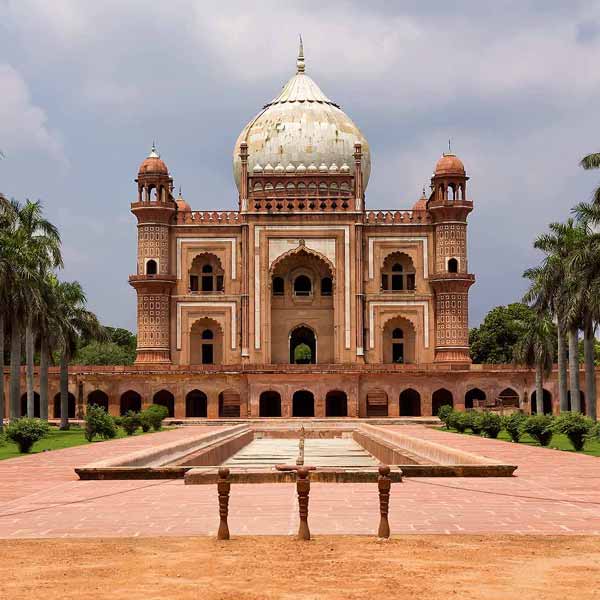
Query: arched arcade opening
x,y
71,407
98,398
166,399
130,400
196,404
336,404
441,397
269,404
303,404
472,396
410,403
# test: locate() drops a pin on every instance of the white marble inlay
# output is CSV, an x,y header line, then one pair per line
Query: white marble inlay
x,y
399,239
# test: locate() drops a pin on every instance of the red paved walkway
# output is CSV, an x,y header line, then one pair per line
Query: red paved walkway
x,y
553,492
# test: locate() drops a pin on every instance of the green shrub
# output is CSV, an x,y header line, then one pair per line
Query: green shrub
x,y
99,423
575,426
514,425
460,421
25,432
444,414
475,421
539,427
155,414
145,422
491,424
130,422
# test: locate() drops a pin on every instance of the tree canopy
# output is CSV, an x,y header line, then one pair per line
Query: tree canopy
x,y
494,340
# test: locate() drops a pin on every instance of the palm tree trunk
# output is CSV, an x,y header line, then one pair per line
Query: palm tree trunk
x,y
15,369
2,373
64,391
29,370
44,378
590,371
574,369
562,370
539,389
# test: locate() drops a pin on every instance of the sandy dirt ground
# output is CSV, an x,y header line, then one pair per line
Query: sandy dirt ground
x,y
253,568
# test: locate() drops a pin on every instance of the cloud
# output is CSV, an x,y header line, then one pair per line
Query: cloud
x,y
514,84
23,125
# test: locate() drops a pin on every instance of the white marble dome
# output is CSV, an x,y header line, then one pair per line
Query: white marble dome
x,y
301,126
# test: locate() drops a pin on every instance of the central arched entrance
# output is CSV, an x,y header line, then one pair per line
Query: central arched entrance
x,y
441,397
302,295
196,404
303,346
410,403
303,404
270,404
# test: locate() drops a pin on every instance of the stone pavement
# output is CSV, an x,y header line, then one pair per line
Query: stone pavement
x,y
553,492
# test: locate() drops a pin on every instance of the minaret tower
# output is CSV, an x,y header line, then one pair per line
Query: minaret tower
x,y
449,208
154,210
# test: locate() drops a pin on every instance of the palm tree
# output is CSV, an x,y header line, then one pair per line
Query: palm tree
x,y
71,320
592,161
556,295
6,274
40,241
545,295
536,350
33,244
585,262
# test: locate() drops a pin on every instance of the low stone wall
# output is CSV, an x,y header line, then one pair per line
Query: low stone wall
x,y
168,452
217,452
423,451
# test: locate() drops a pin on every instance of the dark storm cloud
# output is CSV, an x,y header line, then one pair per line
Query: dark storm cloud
x,y
86,87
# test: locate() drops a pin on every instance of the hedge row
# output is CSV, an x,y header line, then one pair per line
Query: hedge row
x,y
577,427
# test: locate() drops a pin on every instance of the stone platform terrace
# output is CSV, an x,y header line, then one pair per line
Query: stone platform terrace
x,y
553,492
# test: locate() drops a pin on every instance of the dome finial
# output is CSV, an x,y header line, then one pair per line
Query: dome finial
x,y
153,152
300,60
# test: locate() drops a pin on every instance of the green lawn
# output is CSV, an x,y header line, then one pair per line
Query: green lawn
x,y
57,440
559,442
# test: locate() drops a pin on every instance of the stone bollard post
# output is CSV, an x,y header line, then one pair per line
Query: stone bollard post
x,y
303,489
223,487
384,483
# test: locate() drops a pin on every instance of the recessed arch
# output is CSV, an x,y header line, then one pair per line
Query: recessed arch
x,y
336,404
452,265
151,267
441,397
206,273
229,404
303,404
399,341
196,404
206,342
303,345
71,406
474,395
377,403
99,398
36,405
410,403
509,397
165,398
398,273
269,404
130,400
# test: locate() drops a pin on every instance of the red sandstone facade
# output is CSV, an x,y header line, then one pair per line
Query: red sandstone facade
x,y
374,303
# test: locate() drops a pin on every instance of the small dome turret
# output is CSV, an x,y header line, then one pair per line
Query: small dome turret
x,y
153,164
449,164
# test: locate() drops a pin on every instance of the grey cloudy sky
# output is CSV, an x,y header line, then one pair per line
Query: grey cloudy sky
x,y
86,86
